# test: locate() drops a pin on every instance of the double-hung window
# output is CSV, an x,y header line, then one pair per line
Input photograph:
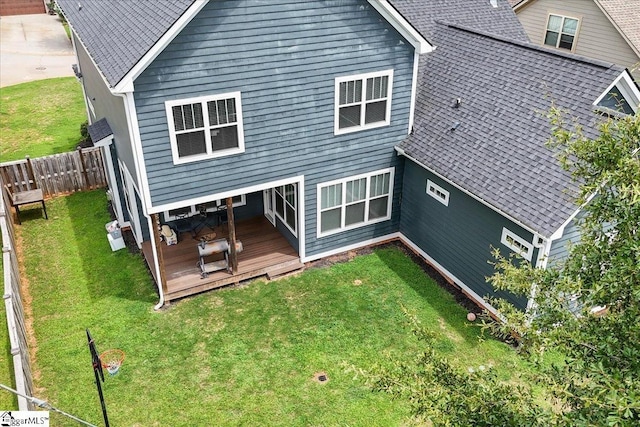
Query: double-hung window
x,y
205,127
561,32
354,201
363,101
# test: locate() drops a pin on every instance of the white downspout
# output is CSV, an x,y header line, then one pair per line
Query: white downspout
x,y
129,106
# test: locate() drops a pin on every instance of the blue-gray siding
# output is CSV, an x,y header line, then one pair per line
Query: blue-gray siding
x,y
458,236
571,236
106,106
283,56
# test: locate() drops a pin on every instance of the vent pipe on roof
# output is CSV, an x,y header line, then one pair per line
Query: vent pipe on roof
x,y
494,3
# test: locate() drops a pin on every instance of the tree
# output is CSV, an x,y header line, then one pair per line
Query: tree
x,y
445,395
588,308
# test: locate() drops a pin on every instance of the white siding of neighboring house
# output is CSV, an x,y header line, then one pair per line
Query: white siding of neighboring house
x,y
597,37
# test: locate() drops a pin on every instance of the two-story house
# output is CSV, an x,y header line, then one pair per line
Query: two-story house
x,y
331,125
608,30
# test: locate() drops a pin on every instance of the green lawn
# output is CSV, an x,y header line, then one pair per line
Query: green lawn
x,y
40,118
237,356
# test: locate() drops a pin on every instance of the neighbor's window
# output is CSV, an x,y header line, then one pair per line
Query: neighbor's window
x,y
517,244
205,127
363,101
561,32
437,192
354,201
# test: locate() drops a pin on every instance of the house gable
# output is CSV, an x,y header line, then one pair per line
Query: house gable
x,y
606,29
492,143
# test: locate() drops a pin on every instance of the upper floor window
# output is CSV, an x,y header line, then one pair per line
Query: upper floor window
x,y
205,127
355,201
561,32
363,101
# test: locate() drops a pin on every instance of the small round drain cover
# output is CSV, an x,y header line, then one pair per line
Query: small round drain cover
x,y
320,377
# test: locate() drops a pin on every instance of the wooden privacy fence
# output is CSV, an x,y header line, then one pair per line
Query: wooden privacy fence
x,y
14,310
57,174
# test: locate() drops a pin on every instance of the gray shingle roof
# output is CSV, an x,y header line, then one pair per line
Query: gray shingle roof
x,y
498,150
625,16
117,34
99,130
477,14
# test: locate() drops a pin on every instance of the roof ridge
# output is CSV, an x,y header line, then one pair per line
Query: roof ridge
x,y
530,46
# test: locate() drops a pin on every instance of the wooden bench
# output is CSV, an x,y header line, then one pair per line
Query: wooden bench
x,y
27,197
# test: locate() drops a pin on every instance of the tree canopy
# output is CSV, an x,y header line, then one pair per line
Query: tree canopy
x,y
586,313
588,307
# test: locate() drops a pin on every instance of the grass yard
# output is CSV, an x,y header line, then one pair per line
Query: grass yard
x,y
237,356
40,118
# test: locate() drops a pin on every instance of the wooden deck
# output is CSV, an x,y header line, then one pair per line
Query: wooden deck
x,y
265,251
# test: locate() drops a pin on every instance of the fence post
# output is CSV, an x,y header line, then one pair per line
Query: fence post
x,y
85,175
31,176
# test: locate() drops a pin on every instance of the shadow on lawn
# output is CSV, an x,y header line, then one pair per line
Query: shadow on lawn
x,y
442,306
109,274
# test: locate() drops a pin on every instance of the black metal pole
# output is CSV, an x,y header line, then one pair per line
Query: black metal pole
x,y
97,370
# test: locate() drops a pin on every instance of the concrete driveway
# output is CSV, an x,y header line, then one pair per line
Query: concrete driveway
x,y
33,47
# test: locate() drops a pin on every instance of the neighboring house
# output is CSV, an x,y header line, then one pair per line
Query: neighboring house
x,y
332,126
608,30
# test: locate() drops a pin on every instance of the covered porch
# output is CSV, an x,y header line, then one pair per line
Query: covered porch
x,y
266,252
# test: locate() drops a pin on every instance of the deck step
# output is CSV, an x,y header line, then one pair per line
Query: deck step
x,y
276,272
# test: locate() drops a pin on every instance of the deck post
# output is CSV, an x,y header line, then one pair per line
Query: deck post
x,y
233,254
156,237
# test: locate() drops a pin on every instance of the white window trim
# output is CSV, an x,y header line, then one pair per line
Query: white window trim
x,y
343,205
194,208
203,100
295,208
437,192
575,36
627,88
363,77
525,253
